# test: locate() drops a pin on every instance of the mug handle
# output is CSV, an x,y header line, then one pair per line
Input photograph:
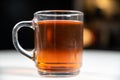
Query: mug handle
x,y
18,47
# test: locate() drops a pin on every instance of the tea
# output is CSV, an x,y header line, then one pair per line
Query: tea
x,y
58,45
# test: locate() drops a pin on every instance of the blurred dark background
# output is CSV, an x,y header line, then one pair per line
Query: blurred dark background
x,y
14,11
101,22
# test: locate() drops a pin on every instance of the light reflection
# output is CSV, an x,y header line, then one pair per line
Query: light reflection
x,y
109,7
88,37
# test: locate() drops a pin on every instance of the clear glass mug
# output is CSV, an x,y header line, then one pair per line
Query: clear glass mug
x,y
58,41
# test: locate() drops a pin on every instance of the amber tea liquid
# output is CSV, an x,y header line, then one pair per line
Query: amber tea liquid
x,y
58,45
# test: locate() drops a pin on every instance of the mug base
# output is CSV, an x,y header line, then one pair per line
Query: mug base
x,y
58,74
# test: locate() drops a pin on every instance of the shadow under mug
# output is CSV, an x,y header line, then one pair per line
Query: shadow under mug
x,y
58,39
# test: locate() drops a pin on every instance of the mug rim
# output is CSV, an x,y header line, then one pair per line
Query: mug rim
x,y
71,13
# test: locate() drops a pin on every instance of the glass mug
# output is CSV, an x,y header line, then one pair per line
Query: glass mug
x,y
58,39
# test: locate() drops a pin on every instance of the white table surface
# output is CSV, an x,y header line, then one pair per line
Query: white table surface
x,y
97,65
